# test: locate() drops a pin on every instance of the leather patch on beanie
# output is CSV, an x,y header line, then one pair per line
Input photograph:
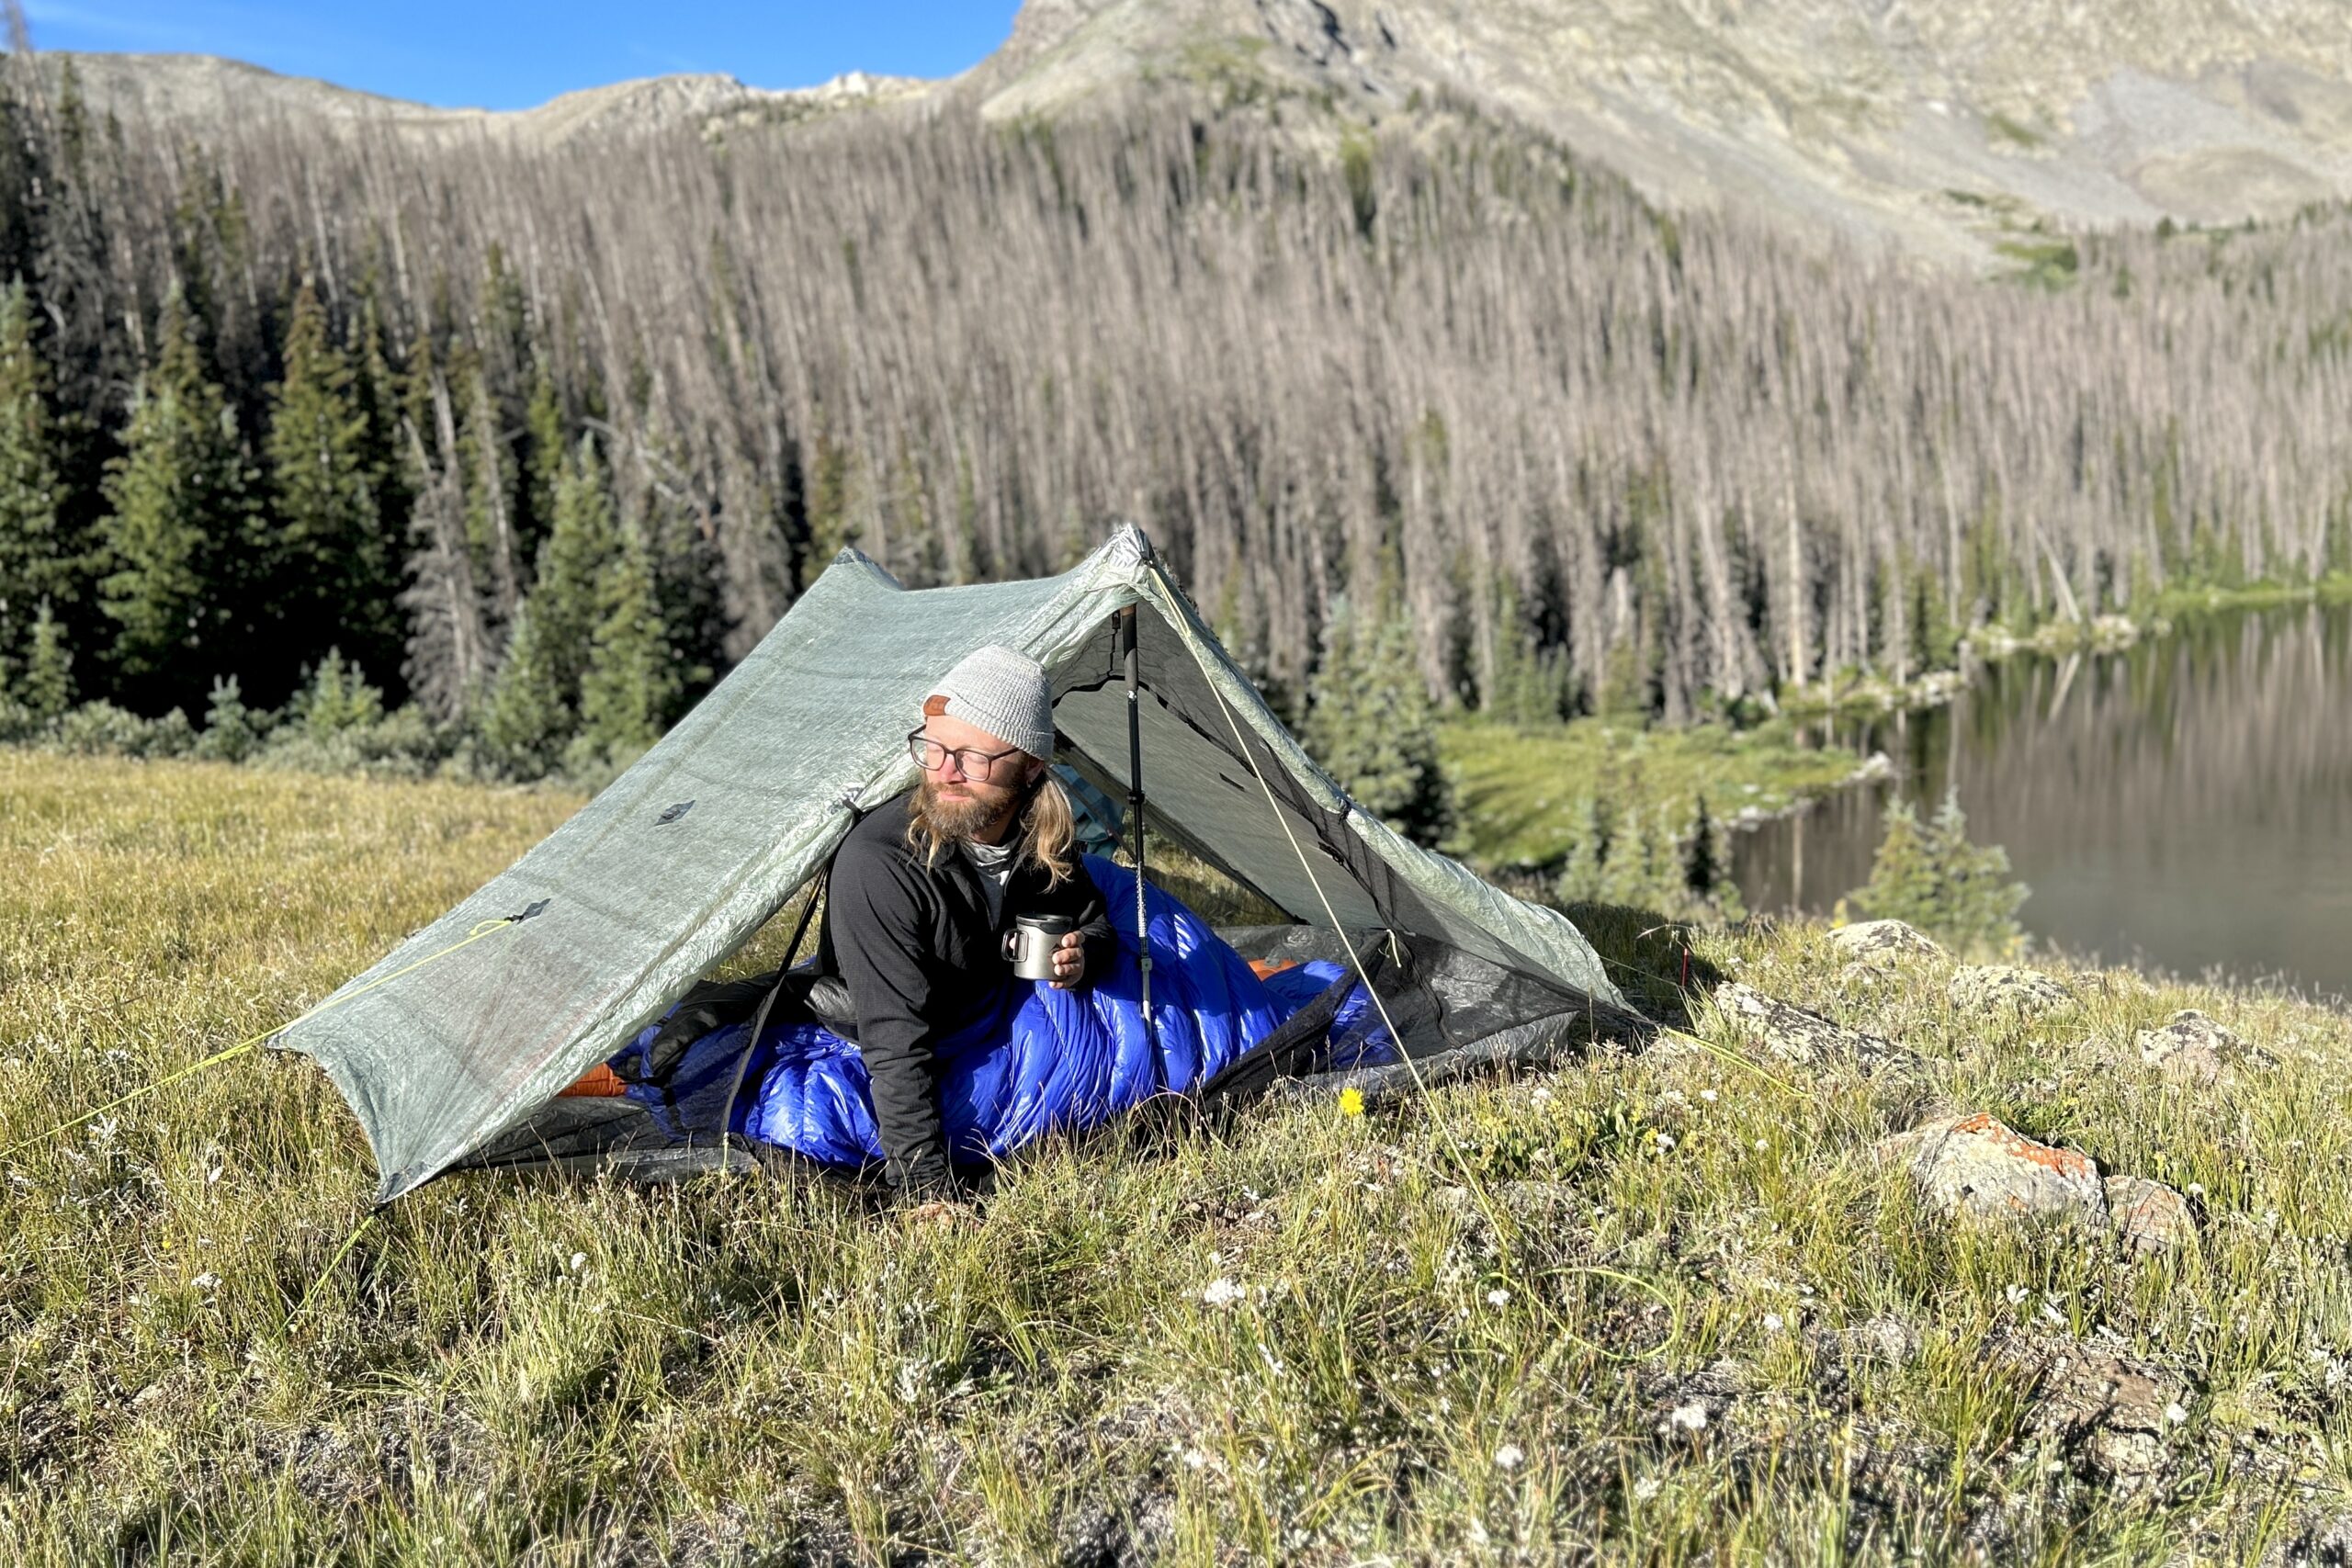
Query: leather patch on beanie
x,y
934,706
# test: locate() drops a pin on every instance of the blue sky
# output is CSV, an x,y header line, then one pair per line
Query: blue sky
x,y
514,53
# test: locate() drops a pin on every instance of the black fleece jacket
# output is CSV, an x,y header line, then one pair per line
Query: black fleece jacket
x,y
921,957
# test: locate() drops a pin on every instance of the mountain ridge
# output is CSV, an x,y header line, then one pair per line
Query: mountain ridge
x,y
1941,132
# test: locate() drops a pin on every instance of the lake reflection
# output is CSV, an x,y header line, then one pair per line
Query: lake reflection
x,y
2186,804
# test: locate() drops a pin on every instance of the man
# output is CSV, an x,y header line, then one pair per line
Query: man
x,y
918,899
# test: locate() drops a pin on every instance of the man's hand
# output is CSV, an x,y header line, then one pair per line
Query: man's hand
x,y
1070,961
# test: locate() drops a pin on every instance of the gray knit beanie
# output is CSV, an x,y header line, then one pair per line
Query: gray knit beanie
x,y
1003,693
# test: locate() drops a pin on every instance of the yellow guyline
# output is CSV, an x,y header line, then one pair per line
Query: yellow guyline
x,y
242,1047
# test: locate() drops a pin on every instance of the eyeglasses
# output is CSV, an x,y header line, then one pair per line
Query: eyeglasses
x,y
931,756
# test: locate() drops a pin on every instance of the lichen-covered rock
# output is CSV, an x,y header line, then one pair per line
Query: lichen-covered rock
x,y
2003,988
1885,942
2112,1410
2192,1048
2148,1215
1976,1166
1795,1035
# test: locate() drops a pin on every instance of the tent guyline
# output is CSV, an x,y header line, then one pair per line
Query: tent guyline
x,y
276,1031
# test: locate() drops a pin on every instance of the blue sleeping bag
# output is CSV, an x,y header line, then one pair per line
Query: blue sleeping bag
x,y
1041,1059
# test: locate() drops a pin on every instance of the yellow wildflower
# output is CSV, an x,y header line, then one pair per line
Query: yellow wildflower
x,y
1351,1103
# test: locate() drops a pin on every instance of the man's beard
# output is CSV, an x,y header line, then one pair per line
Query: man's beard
x,y
959,818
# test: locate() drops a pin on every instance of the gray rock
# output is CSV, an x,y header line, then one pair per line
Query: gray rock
x,y
1806,1039
2192,1048
2112,1410
2320,1540
1885,942
1882,1339
2003,988
2149,1216
1977,1167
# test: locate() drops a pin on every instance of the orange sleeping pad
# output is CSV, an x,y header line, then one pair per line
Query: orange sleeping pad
x,y
602,1083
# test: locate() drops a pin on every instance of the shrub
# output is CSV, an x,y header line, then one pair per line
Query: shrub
x,y
402,744
102,729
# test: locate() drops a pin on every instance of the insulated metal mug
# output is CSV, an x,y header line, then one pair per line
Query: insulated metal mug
x,y
1031,941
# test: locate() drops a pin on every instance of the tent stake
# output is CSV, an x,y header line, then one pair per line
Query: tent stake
x,y
1136,801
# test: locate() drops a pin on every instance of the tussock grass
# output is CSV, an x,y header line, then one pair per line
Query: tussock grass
x,y
1700,1320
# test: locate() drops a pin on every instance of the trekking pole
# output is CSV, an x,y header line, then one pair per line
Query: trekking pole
x,y
1136,800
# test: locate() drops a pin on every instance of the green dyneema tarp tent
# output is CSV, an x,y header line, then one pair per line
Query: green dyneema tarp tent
x,y
680,859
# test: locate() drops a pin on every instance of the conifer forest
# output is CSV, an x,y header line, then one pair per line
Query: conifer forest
x,y
534,440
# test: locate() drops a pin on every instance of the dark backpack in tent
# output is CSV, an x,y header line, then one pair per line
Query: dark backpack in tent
x,y
454,1049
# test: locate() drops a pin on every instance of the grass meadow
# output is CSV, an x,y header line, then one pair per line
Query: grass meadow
x,y
1655,1305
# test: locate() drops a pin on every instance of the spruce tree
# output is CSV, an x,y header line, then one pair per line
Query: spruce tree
x,y
339,698
1529,684
379,393
48,670
329,572
1371,725
489,483
178,501
1581,878
525,720
1930,876
632,677
36,565
1706,866
1903,873
232,730
572,562
1981,902
543,422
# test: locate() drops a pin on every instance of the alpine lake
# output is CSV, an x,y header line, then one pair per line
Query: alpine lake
x,y
2183,805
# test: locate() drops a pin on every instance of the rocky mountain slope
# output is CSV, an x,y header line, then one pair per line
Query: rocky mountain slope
x,y
1938,128
1936,125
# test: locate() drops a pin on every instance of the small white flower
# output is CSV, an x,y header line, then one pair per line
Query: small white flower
x,y
1195,1459
577,1259
2014,1293
1772,1324
1497,1297
1665,1141
2174,1413
208,1281
1762,1144
1646,1488
1709,1096
1222,1292
1691,1417
1508,1457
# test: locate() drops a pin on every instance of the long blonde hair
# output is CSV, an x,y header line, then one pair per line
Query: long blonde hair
x,y
1048,830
